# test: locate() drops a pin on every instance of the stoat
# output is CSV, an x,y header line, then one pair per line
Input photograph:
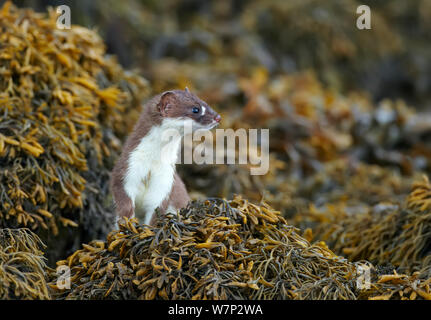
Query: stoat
x,y
144,177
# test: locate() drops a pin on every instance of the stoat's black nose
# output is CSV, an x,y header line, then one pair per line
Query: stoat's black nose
x,y
217,118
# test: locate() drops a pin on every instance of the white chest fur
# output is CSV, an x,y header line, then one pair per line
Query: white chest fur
x,y
151,167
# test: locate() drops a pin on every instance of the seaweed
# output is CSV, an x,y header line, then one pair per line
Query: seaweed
x,y
213,249
219,249
399,287
23,271
337,198
62,102
387,233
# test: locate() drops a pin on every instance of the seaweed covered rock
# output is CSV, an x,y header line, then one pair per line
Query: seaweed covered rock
x,y
387,233
215,249
23,272
399,287
63,108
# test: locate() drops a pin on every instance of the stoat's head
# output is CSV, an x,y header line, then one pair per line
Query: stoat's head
x,y
184,106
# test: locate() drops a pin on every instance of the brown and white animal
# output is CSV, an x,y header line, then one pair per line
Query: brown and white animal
x,y
144,177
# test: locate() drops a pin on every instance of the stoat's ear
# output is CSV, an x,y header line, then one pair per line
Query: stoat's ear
x,y
166,103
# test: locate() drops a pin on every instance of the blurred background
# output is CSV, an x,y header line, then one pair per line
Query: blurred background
x,y
349,110
209,44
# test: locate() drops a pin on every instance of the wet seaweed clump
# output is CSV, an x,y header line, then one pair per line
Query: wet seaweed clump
x,y
394,233
64,106
399,287
214,249
23,272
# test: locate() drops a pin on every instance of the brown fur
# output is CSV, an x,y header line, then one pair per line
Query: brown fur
x,y
148,118
175,103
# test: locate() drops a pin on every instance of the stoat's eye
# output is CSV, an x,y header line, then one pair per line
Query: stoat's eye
x,y
195,110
